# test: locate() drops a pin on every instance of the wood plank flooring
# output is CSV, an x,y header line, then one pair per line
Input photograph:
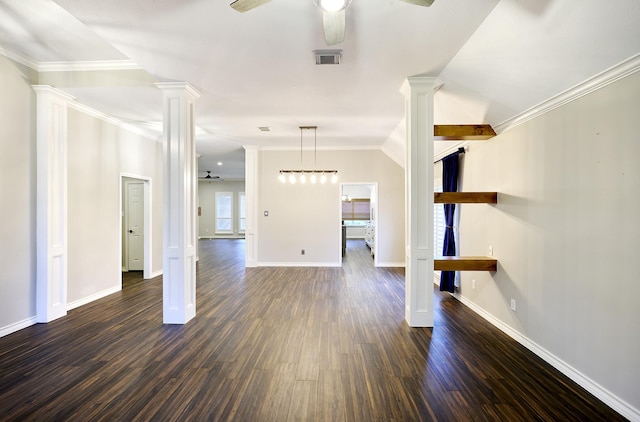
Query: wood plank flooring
x,y
279,344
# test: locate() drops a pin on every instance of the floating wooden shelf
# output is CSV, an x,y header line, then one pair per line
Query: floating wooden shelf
x,y
463,132
465,197
465,263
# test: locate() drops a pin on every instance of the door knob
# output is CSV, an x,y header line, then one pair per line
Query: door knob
x,y
130,231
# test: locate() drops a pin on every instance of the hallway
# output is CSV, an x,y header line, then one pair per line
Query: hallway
x,y
278,344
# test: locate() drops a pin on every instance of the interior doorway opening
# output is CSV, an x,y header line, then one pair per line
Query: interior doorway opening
x,y
135,224
359,211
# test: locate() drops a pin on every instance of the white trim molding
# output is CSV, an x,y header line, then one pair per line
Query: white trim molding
x,y
98,295
114,121
17,326
108,65
300,264
610,399
602,79
391,265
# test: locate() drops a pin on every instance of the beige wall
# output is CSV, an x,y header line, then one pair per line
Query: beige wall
x,y
98,152
207,203
309,217
17,193
565,233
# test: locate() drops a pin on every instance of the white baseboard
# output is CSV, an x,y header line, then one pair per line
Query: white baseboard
x,y
17,326
155,274
91,298
585,382
391,264
299,264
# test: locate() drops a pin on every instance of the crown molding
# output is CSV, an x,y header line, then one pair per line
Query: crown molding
x,y
19,58
178,86
112,120
69,66
602,79
453,147
324,148
87,65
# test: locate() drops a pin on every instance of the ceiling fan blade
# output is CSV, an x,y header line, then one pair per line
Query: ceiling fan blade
x,y
333,23
425,3
245,5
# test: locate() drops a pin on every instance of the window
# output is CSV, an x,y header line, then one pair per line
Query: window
x,y
356,209
224,212
242,225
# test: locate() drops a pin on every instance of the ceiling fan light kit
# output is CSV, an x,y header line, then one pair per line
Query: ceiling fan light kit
x,y
333,14
300,175
332,6
212,178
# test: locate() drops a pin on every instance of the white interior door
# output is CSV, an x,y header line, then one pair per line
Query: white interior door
x,y
135,225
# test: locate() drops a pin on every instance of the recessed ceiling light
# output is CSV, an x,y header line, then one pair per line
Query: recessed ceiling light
x,y
219,163
264,128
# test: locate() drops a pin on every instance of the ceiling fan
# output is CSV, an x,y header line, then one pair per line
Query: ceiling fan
x,y
211,178
333,14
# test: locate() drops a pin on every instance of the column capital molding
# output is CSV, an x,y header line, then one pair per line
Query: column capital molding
x,y
423,82
48,89
178,86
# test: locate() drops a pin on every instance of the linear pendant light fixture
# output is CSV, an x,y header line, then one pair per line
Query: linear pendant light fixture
x,y
315,175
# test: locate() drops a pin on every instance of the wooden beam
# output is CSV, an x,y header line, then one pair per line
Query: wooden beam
x,y
465,197
465,263
463,132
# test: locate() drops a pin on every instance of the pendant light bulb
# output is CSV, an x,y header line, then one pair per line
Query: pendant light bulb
x,y
292,178
313,178
334,178
282,178
303,178
323,178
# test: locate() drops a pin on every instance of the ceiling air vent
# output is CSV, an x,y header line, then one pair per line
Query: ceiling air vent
x,y
327,56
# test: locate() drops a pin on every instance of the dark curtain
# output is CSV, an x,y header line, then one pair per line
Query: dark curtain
x,y
450,167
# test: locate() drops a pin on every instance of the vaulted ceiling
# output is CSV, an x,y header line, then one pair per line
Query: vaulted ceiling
x,y
496,58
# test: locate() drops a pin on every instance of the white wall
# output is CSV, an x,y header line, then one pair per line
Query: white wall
x,y
565,232
207,203
309,217
17,196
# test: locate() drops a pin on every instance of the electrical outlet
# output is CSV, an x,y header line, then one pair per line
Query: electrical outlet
x,y
513,305
490,250
473,284
302,252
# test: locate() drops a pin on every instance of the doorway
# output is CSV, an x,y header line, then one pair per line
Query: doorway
x,y
359,211
135,224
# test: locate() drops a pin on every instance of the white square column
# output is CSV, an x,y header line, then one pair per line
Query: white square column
x,y
179,239
51,214
418,92
252,170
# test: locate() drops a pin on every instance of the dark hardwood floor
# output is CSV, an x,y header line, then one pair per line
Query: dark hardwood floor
x,y
279,344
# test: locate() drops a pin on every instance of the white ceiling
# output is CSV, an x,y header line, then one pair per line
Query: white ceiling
x,y
496,59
